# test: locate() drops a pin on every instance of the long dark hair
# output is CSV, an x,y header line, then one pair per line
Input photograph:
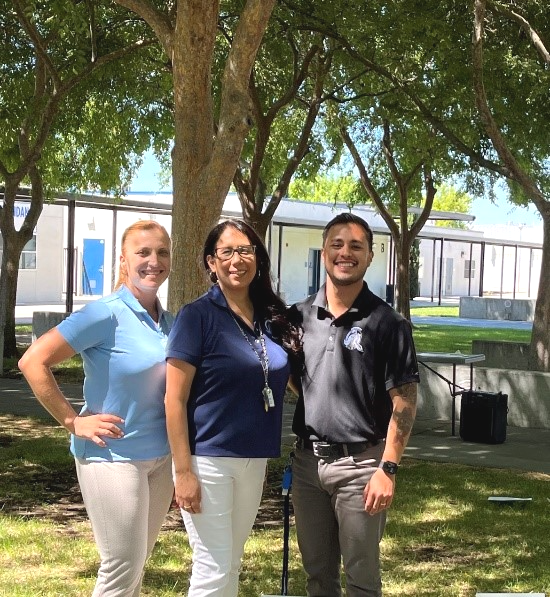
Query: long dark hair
x,y
267,303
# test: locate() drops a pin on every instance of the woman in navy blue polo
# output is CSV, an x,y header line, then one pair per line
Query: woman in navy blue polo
x,y
227,372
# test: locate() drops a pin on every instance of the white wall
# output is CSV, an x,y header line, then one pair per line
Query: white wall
x,y
45,283
455,255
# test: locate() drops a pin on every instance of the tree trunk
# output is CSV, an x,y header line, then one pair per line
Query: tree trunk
x,y
402,285
203,166
13,243
8,292
539,353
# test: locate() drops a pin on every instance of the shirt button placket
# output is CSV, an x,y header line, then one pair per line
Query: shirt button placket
x,y
331,338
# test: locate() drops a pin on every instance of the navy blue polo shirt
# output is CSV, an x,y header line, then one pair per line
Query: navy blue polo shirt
x,y
226,408
350,364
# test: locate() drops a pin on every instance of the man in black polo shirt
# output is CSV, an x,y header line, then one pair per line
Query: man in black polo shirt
x,y
354,415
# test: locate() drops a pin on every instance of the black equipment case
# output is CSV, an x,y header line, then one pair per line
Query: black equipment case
x,y
483,417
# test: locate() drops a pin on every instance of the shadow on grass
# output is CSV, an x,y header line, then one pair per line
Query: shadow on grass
x,y
443,537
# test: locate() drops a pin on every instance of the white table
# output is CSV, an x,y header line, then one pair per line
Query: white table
x,y
454,359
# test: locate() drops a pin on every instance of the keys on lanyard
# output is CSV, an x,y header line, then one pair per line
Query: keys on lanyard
x,y
267,393
269,402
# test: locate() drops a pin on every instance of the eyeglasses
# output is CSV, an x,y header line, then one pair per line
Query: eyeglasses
x,y
226,253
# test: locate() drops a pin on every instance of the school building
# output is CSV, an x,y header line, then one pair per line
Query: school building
x,y
74,251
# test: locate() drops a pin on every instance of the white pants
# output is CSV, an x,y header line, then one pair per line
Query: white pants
x,y
231,490
126,503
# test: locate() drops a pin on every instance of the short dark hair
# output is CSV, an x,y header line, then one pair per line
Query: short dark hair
x,y
348,218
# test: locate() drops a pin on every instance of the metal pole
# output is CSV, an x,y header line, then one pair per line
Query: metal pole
x,y
70,257
433,270
515,270
113,248
470,272
481,268
502,272
279,258
440,273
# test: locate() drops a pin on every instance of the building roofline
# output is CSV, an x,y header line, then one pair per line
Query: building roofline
x,y
290,212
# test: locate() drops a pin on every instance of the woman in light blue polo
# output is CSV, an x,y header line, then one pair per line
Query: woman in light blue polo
x,y
119,438
226,377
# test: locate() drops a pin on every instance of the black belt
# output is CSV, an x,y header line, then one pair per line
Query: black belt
x,y
335,450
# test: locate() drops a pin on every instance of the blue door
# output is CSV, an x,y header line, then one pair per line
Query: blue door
x,y
93,259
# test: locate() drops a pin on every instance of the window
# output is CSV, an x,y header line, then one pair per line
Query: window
x,y
469,269
28,255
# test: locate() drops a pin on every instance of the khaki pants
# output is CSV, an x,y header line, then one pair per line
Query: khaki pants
x,y
333,526
126,503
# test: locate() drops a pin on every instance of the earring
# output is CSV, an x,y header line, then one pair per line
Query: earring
x,y
213,277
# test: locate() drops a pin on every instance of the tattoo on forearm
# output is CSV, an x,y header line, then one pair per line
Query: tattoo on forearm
x,y
408,393
404,420
404,416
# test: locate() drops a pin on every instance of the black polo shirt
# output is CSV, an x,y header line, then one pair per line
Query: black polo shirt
x,y
350,364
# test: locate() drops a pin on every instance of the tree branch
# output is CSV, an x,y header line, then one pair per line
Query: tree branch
x,y
492,129
38,42
526,26
298,79
234,124
301,148
403,86
367,184
426,210
93,40
159,22
31,150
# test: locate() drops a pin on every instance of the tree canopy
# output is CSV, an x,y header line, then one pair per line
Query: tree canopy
x,y
71,114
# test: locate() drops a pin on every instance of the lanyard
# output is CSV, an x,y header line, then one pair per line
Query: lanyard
x,y
264,362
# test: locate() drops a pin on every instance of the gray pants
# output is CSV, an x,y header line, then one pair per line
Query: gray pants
x,y
332,524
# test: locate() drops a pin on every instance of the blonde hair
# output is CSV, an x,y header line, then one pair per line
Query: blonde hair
x,y
139,226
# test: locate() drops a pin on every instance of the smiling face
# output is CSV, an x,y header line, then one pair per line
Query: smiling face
x,y
236,273
346,254
145,260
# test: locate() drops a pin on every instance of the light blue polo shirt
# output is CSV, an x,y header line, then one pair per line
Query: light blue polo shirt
x,y
123,351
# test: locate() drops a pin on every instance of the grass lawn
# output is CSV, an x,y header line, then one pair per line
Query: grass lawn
x,y
428,338
443,538
436,311
452,338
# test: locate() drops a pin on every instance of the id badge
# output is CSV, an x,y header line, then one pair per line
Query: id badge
x,y
268,397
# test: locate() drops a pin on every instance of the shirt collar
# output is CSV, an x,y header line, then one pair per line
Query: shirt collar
x,y
216,295
126,296
361,302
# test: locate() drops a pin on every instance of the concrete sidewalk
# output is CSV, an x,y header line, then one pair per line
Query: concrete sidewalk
x,y
524,449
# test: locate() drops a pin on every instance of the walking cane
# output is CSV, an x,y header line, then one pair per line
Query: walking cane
x,y
286,486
